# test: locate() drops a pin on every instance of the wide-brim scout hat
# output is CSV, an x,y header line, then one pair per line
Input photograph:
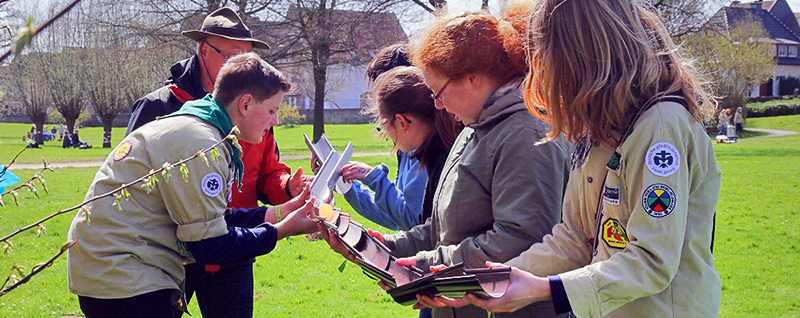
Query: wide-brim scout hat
x,y
225,23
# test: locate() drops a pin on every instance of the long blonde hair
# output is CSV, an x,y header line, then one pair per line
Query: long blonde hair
x,y
595,63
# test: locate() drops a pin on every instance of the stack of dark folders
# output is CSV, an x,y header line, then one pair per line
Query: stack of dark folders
x,y
377,262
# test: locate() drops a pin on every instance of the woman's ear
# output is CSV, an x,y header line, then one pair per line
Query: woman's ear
x,y
475,80
404,124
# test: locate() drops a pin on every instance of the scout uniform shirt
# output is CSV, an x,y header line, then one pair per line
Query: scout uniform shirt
x,y
133,249
647,251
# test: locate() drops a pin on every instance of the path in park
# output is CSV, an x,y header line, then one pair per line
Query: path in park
x,y
97,163
773,132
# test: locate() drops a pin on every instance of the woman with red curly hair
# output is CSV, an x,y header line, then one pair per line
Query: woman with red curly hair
x,y
499,192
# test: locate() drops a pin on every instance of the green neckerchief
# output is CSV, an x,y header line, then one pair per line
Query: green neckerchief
x,y
209,110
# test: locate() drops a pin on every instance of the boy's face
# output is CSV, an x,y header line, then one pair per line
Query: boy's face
x,y
260,117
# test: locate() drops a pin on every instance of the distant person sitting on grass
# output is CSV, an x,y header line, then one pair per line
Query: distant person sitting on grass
x,y
129,261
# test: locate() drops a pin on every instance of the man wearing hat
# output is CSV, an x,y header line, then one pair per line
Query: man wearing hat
x,y
227,289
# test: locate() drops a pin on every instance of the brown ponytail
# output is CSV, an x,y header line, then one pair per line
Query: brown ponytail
x,y
402,90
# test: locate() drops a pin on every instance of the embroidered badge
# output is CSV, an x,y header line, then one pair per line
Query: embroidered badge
x,y
663,159
613,162
212,184
611,195
184,250
658,200
614,234
122,151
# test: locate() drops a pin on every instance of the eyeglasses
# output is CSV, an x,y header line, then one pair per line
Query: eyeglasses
x,y
218,51
379,126
438,96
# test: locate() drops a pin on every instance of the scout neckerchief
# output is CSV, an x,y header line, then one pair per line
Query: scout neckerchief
x,y
209,110
614,161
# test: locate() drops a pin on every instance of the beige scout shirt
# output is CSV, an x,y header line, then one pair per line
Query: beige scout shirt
x,y
653,255
134,251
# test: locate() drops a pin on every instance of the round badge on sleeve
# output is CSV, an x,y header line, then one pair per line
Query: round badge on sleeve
x,y
658,200
122,151
663,159
212,184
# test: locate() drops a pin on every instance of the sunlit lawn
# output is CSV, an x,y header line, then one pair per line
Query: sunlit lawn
x,y
757,240
290,141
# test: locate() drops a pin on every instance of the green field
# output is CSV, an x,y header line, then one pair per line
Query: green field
x,y
757,240
290,139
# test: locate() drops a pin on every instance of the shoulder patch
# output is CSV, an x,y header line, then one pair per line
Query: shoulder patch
x,y
611,195
658,200
122,151
614,234
212,184
663,159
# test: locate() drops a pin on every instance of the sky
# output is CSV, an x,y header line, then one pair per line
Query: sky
x,y
795,4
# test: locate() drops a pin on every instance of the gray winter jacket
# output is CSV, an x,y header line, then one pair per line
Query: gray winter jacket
x,y
499,193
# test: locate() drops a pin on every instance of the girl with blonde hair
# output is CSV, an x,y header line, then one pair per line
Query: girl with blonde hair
x,y
639,209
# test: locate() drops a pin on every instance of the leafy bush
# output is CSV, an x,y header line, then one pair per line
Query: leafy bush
x,y
289,115
774,108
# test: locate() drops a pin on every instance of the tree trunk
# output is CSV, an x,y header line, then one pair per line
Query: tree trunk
x,y
39,137
319,61
107,132
70,125
320,72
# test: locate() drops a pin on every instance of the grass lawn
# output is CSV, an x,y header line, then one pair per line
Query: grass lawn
x,y
757,240
758,223
290,141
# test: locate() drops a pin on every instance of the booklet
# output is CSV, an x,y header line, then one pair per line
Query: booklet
x,y
322,186
322,150
377,262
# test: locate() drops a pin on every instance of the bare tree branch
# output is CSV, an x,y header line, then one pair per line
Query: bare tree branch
x,y
37,269
44,26
5,168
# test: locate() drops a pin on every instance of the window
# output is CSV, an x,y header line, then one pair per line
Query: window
x,y
793,51
782,50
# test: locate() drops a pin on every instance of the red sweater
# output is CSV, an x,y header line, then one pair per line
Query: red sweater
x,y
264,178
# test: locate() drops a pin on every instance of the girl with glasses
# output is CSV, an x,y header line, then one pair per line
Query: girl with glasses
x,y
499,191
422,136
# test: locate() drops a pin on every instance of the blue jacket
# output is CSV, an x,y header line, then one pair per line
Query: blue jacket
x,y
394,205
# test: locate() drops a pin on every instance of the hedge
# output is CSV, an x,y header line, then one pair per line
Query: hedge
x,y
770,110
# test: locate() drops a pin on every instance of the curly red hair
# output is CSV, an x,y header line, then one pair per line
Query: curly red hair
x,y
475,42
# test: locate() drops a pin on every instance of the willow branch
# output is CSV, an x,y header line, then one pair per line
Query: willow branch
x,y
44,26
38,268
28,182
5,168
120,188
